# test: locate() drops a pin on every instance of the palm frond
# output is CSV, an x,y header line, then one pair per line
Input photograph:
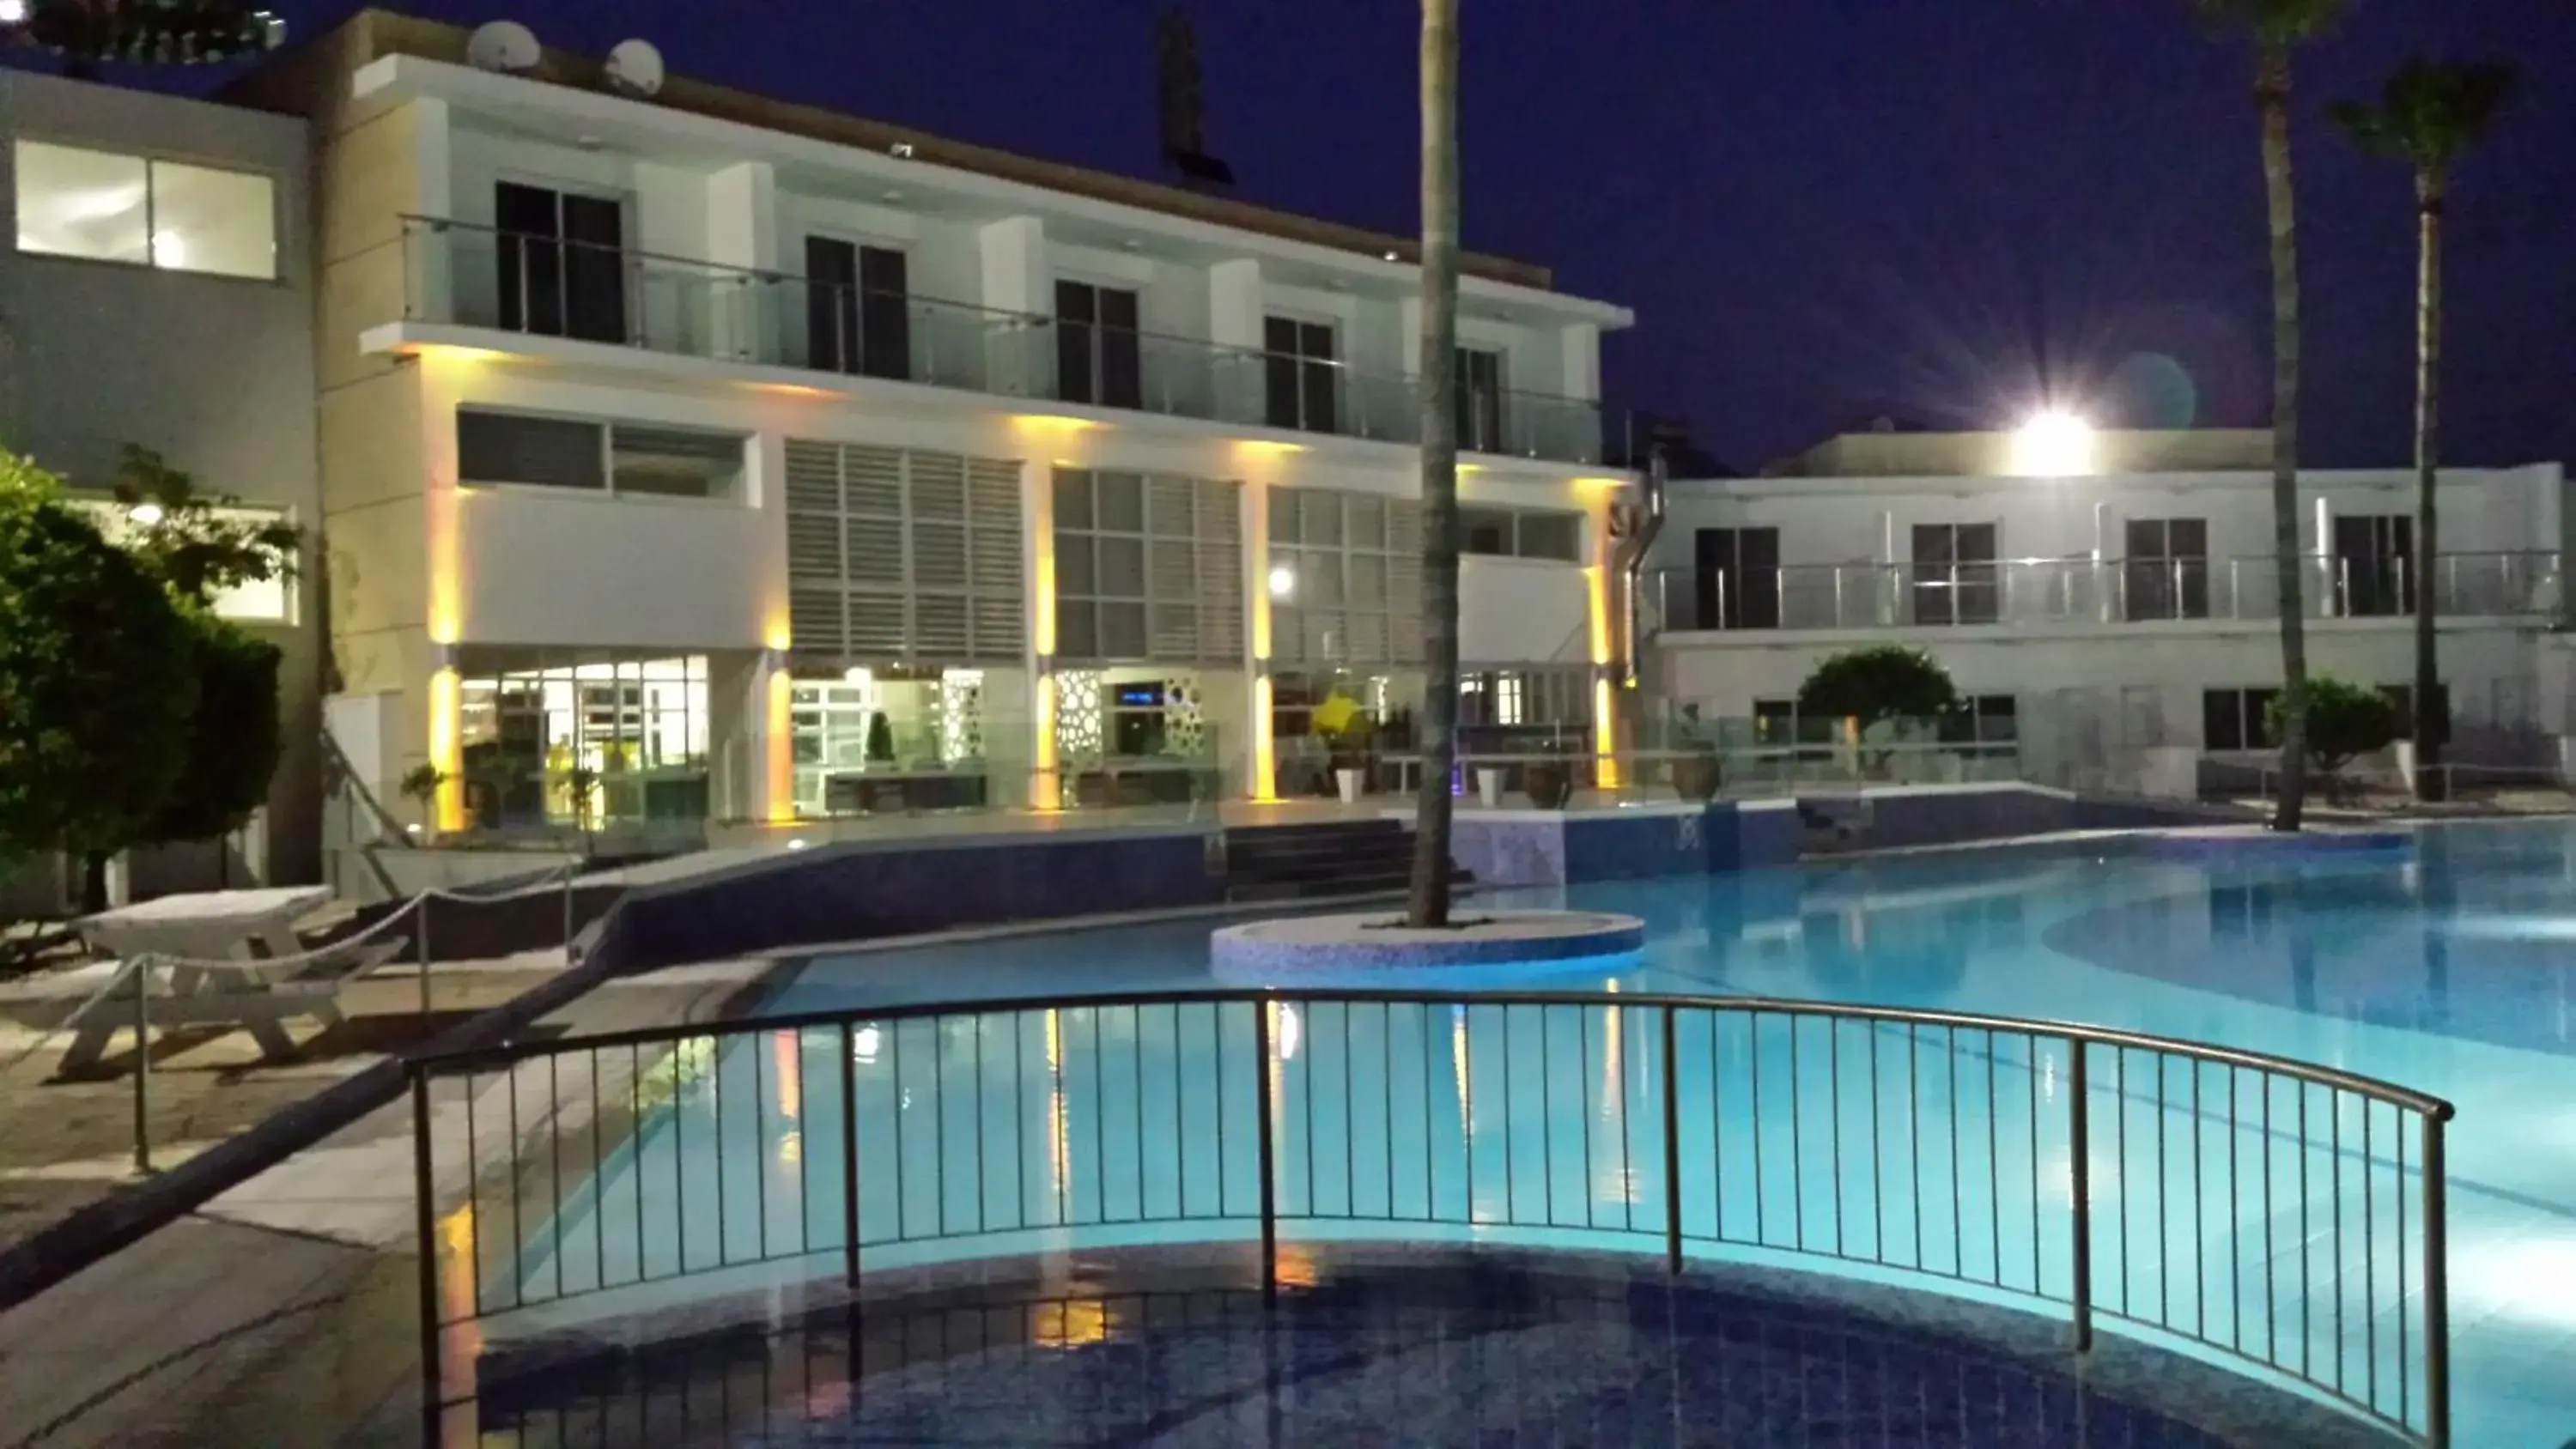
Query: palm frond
x,y
2430,112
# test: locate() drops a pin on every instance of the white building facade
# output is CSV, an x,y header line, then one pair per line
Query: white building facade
x,y
2103,620
700,457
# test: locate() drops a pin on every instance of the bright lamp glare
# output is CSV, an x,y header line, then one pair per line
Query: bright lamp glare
x,y
1283,581
146,514
2053,445
13,12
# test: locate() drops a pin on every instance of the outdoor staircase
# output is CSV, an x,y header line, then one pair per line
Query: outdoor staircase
x,y
1319,862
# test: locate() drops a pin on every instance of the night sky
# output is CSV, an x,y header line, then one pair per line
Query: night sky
x,y
1821,210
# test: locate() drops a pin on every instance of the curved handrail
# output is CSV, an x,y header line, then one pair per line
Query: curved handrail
x,y
508,1054
2035,1198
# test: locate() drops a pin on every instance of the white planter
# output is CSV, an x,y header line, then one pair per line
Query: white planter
x,y
1489,788
1349,782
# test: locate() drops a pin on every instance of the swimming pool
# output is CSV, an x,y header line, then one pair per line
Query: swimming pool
x,y
2445,968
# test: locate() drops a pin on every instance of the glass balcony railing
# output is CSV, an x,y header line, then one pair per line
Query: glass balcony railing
x,y
476,276
2091,591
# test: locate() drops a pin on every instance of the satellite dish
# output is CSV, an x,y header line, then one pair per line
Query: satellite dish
x,y
505,46
635,67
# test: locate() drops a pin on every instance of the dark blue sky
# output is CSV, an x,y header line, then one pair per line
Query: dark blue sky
x,y
1820,209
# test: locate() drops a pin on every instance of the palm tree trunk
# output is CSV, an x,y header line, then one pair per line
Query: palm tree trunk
x,y
2430,717
2272,106
1430,899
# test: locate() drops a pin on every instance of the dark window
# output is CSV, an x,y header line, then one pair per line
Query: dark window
x,y
2374,564
1736,584
2235,719
1556,537
509,448
1954,574
1775,721
2166,573
1480,401
1098,357
562,263
2402,697
1487,531
1985,719
858,312
1301,384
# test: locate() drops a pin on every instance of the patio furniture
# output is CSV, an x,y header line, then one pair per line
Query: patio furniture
x,y
235,961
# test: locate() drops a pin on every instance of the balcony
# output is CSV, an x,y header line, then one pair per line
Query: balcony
x,y
470,276
2019,593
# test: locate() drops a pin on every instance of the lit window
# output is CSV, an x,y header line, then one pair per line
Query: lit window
x,y
74,202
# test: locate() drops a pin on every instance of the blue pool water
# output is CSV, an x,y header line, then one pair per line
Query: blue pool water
x,y
2446,968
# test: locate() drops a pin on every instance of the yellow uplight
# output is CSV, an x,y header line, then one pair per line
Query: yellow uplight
x,y
446,696
1265,769
1051,425
1605,737
779,760
1045,795
1267,447
1596,583
450,352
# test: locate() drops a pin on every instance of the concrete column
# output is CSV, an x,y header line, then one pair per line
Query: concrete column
x,y
1018,279
1045,787
1235,322
749,311
1579,360
431,263
1260,772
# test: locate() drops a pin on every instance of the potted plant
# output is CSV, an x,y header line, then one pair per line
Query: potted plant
x,y
1696,775
421,783
1548,781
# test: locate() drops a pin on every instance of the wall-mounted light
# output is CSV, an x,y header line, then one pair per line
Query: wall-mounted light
x,y
1283,582
2053,445
145,514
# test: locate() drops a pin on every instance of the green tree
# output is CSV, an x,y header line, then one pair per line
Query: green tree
x,y
1878,682
234,736
97,682
197,542
2277,28
1429,906
2344,720
2428,115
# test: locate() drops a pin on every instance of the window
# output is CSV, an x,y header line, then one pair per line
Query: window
x,y
562,263
2374,564
896,554
1985,719
2166,573
858,312
1480,400
108,207
637,725
1301,382
606,457
1097,351
1147,566
264,601
1736,584
1520,533
1345,578
2235,719
2401,697
1954,574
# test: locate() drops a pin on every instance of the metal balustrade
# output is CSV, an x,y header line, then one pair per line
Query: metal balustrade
x,y
477,276
2091,591
2284,1218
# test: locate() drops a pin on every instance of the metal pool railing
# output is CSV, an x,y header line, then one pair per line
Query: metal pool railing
x,y
2284,1216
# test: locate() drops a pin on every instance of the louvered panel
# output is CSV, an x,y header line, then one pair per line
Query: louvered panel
x,y
1368,638
1220,510
1407,632
877,625
1171,570
938,485
814,620
1404,527
1000,626
994,568
939,626
1287,636
814,546
1320,636
813,477
1220,595
872,551
938,555
1221,632
1168,506
872,481
1176,633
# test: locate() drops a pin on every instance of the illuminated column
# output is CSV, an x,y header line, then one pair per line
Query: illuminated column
x,y
1037,503
777,690
1261,760
446,748
1598,592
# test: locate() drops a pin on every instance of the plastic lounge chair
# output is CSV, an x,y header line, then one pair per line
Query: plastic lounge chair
x,y
256,996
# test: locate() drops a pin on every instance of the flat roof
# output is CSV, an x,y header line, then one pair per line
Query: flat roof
x,y
373,33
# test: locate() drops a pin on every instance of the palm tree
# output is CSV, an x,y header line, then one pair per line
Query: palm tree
x,y
1430,901
2428,114
2278,27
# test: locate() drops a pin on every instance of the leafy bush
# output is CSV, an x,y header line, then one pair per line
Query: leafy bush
x,y
2344,720
1878,682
